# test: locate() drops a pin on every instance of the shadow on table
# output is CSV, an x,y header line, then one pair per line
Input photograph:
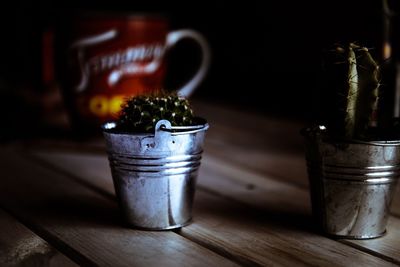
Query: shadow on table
x,y
80,210
236,215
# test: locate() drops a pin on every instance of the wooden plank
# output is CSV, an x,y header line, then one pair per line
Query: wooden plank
x,y
280,165
289,167
19,246
272,227
266,152
94,144
395,207
259,181
295,202
268,238
250,185
94,168
77,165
85,225
234,123
267,145
390,243
264,145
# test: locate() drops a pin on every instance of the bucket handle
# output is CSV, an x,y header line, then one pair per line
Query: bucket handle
x,y
165,126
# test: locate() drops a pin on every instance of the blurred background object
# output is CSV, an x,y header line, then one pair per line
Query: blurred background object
x,y
103,58
268,48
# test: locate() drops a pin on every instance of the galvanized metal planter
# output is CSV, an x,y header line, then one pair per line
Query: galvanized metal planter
x,y
155,174
352,185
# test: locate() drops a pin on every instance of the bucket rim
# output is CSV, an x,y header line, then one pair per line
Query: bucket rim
x,y
109,127
320,133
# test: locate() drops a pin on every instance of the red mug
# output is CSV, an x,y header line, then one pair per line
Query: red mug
x,y
110,57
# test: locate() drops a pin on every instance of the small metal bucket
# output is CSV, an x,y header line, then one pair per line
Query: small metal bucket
x,y
155,174
352,185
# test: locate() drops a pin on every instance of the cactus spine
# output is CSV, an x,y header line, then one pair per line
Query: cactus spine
x,y
141,113
360,88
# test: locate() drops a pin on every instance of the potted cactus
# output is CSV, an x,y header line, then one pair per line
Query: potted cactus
x,y
353,160
154,151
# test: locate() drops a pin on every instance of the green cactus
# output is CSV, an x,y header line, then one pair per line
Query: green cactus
x,y
355,75
141,113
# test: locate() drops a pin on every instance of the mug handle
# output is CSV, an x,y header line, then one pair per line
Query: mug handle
x,y
174,37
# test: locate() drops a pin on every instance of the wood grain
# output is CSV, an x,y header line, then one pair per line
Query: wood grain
x,y
19,246
94,168
85,225
249,218
390,243
292,203
395,207
256,164
266,145
268,238
234,123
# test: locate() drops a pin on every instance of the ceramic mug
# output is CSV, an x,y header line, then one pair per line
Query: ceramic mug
x,y
110,57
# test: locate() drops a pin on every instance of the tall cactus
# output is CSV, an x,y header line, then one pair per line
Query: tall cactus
x,y
356,78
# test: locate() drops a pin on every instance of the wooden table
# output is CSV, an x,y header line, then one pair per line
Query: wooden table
x,y
252,206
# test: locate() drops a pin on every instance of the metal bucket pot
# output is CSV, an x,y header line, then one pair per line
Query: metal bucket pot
x,y
155,174
352,185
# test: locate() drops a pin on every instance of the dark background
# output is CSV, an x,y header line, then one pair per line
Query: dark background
x,y
266,54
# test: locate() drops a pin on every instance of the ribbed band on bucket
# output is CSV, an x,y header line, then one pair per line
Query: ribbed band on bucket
x,y
367,175
171,165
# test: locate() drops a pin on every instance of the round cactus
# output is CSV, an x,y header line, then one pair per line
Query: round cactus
x,y
141,113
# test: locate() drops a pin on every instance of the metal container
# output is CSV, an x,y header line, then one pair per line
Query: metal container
x,y
352,185
155,174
